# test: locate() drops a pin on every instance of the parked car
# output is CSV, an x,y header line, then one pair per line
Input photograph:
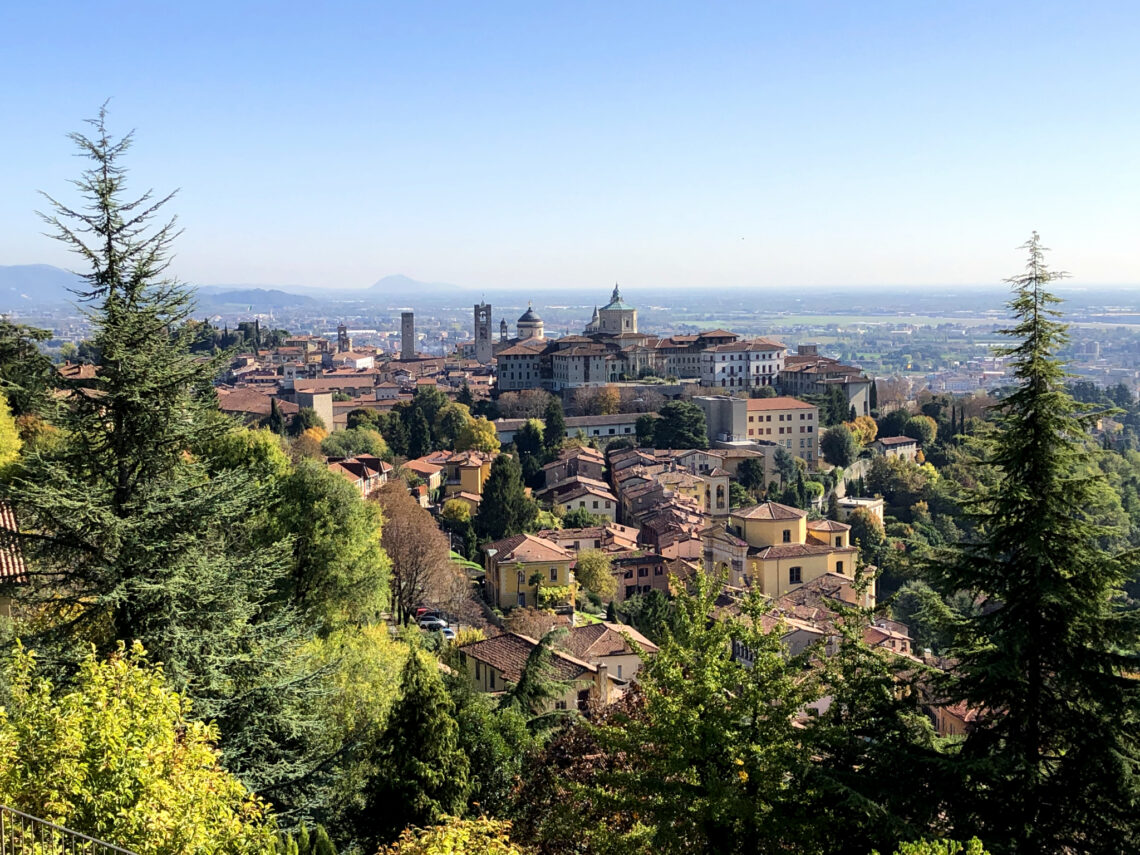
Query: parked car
x,y
448,633
433,624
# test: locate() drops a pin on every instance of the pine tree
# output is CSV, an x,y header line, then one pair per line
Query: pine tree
x,y
129,532
1049,664
873,397
422,773
505,509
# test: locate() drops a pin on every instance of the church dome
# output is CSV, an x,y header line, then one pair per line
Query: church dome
x,y
530,317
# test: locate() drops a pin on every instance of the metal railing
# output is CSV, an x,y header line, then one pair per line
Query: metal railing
x,y
23,834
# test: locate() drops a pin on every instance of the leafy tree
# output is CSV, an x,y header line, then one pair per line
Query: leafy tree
x,y
304,843
364,418
864,429
738,497
449,423
496,741
354,441
478,435
867,533
893,423
582,518
921,428
505,508
594,572
391,427
117,755
339,571
750,473
422,773
926,615
838,446
680,425
554,421
464,396
644,427
305,419
10,442
414,544
1051,763
470,836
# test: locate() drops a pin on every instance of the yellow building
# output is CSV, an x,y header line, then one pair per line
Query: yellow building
x,y
519,567
461,471
492,665
774,548
788,422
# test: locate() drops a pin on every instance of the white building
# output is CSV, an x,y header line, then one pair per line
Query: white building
x,y
743,365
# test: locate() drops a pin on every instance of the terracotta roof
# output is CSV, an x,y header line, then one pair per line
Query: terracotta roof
x,y
249,399
713,334
12,567
896,440
526,547
507,653
742,346
827,525
769,511
604,639
782,402
585,490
796,550
78,371
422,467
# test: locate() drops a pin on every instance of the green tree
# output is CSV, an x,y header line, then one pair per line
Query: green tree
x,y
680,425
1049,665
538,688
117,755
554,421
27,376
276,419
354,441
452,835
582,518
419,434
594,572
497,743
738,497
921,428
449,423
339,571
133,532
421,771
478,435
750,473
505,509
644,427
305,418
10,442
838,446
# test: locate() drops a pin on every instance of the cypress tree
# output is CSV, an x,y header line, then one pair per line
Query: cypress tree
x,y
419,434
1050,662
422,773
873,397
276,420
554,432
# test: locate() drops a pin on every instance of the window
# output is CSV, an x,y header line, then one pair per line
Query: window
x,y
478,675
595,504
787,537
839,540
838,566
522,598
795,575
491,673
619,672
553,574
658,570
560,705
629,574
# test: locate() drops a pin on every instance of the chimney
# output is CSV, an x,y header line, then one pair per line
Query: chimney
x,y
601,681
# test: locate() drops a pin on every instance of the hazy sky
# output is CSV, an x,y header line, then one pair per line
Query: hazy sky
x,y
558,144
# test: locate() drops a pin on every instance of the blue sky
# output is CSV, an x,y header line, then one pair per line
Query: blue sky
x,y
535,145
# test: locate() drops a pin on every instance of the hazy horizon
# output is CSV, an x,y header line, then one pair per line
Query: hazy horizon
x,y
523,148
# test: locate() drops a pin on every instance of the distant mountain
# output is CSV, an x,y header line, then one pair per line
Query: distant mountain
x,y
35,284
400,285
259,298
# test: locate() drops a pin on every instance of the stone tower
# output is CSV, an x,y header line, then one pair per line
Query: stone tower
x,y
343,342
502,330
408,336
483,333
